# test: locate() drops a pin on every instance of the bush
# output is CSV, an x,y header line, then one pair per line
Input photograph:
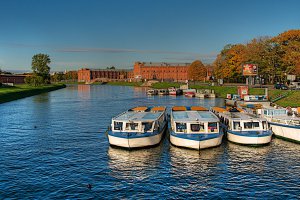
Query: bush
x,y
35,80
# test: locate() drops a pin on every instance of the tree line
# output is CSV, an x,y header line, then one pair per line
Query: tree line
x,y
275,57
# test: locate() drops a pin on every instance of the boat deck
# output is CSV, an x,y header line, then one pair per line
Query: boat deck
x,y
141,114
203,116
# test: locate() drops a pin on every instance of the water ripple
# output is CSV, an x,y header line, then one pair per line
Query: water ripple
x,y
53,145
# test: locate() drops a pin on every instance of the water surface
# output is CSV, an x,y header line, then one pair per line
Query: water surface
x,y
53,145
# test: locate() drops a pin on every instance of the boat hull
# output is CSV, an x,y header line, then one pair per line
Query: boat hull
x,y
249,139
200,143
135,142
286,132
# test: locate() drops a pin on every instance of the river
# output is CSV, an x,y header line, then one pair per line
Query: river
x,y
53,145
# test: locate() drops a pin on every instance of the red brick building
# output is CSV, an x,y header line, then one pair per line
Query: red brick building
x,y
15,79
88,75
165,71
161,71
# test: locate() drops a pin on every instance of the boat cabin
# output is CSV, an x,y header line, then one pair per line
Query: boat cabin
x,y
139,119
280,115
237,121
193,119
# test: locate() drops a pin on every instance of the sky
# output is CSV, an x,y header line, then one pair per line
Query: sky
x,y
104,33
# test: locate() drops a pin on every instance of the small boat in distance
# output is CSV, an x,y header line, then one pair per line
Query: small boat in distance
x,y
152,92
189,92
282,125
242,128
194,127
174,91
138,127
163,92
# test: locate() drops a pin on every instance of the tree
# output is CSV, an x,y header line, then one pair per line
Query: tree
x,y
228,63
197,71
40,67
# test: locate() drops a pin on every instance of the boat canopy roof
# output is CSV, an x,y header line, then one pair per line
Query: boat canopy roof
x,y
198,108
158,108
239,116
141,108
219,110
141,114
193,115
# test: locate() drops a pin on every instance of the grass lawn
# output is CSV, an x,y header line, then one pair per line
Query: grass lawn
x,y
8,93
293,99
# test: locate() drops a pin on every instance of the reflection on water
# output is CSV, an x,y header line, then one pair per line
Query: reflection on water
x,y
84,91
245,159
135,164
191,161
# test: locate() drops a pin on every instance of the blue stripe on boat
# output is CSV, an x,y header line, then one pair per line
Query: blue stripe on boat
x,y
196,136
131,135
251,133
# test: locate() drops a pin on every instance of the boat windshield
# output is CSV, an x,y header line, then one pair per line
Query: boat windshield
x,y
212,127
118,125
251,125
237,125
132,126
147,126
197,127
181,127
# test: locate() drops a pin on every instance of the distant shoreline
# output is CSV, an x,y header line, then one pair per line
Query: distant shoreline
x,y
22,91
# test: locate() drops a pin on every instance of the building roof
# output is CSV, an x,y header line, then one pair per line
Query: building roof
x,y
113,70
163,64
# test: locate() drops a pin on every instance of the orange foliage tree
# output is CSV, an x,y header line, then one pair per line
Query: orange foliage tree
x,y
197,71
228,63
275,57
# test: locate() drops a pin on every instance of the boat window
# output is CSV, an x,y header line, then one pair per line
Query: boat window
x,y
251,125
255,124
147,126
181,127
132,126
212,127
248,125
118,125
237,125
197,127
265,112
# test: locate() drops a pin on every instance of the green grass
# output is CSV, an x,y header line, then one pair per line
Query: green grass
x,y
121,83
162,85
21,91
292,100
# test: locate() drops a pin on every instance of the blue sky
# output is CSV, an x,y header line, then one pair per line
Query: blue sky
x,y
101,33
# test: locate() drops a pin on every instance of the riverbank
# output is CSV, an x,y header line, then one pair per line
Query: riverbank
x,y
21,91
292,99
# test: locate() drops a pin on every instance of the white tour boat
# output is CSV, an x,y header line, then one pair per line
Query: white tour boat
x,y
174,91
163,92
194,127
282,125
138,127
152,92
242,128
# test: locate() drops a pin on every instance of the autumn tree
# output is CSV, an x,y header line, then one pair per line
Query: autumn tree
x,y
289,45
228,63
197,71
